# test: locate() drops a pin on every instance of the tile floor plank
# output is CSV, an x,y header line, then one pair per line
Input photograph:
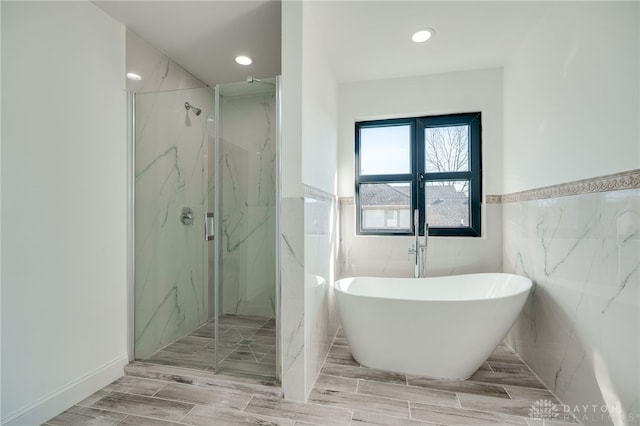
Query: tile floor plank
x,y
355,401
462,417
204,396
545,422
512,407
530,394
343,384
136,385
464,386
80,416
145,421
364,373
88,402
144,406
409,393
524,380
362,418
506,367
250,386
335,357
310,413
253,368
218,416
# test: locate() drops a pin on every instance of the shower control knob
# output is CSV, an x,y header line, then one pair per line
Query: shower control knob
x,y
186,216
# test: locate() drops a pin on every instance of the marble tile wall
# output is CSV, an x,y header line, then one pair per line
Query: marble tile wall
x,y
158,72
247,240
292,315
580,329
365,255
171,290
308,227
320,237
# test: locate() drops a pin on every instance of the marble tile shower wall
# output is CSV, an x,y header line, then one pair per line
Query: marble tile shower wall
x,y
248,204
580,328
170,173
320,235
159,73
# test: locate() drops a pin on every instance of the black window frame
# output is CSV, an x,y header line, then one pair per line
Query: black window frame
x,y
418,175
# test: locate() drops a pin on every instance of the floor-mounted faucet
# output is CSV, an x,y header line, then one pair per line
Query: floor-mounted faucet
x,y
419,250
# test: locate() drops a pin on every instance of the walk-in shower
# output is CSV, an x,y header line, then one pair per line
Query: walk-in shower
x,y
205,294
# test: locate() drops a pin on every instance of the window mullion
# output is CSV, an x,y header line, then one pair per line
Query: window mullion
x,y
385,178
418,143
435,176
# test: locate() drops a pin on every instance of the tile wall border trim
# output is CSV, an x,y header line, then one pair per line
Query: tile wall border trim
x,y
489,199
318,194
614,182
493,199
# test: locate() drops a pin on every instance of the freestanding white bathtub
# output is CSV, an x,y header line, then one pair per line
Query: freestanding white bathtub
x,y
444,327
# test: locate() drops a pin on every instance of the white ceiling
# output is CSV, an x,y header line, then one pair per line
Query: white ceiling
x,y
372,40
204,37
365,40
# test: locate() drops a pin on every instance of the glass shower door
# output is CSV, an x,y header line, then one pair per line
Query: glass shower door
x,y
246,274
205,228
173,131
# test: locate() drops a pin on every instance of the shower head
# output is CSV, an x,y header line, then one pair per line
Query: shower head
x,y
251,79
188,107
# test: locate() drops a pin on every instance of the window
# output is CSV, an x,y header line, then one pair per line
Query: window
x,y
432,164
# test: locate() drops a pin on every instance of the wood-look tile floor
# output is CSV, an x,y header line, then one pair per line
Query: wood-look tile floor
x,y
247,346
501,392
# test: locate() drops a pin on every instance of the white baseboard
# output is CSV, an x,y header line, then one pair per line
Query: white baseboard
x,y
56,402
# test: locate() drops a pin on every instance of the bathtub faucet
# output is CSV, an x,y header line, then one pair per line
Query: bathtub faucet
x,y
417,249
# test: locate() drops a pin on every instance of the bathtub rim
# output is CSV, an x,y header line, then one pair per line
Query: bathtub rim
x,y
528,288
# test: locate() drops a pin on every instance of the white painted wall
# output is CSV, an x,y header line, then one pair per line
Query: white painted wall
x,y
64,310
469,91
319,107
291,129
571,97
479,90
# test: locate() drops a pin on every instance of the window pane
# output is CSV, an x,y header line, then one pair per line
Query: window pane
x,y
447,203
446,149
386,205
385,150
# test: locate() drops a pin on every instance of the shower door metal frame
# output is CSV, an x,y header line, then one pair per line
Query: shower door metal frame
x,y
131,236
216,224
277,233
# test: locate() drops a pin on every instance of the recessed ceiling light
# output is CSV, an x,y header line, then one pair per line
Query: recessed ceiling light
x,y
423,35
244,60
133,76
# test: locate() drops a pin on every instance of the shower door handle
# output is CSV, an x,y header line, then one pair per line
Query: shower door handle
x,y
209,232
